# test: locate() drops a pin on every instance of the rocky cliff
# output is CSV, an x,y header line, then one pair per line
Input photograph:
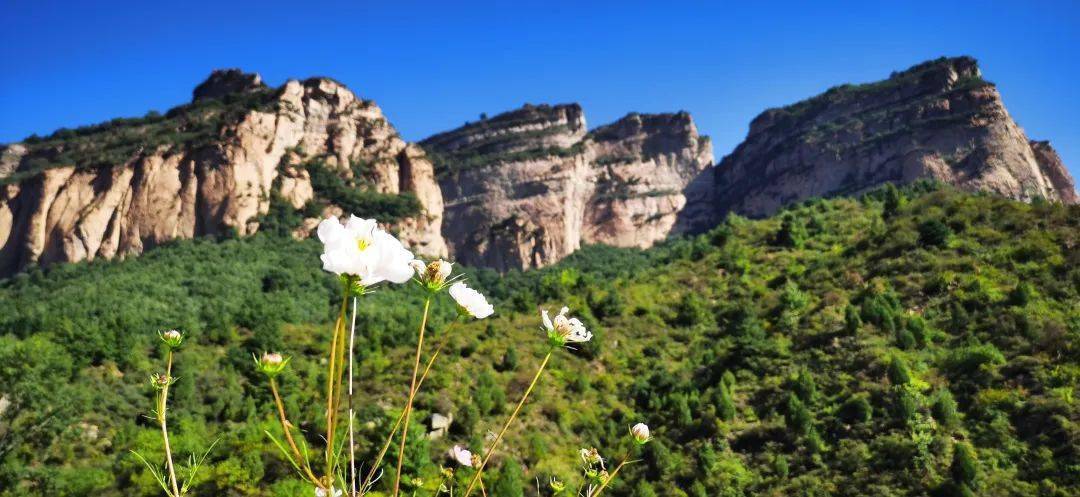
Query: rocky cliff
x,y
528,187
938,120
211,167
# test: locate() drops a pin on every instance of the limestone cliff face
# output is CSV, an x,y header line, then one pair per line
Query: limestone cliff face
x,y
937,120
528,187
85,195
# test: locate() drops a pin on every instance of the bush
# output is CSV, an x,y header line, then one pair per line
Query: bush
x,y
899,374
856,409
963,466
934,233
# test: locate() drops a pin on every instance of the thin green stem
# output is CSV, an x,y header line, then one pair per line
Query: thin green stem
x,y
331,381
610,477
162,406
285,426
352,442
513,415
412,395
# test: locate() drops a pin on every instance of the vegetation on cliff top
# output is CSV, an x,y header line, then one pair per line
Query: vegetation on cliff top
x,y
908,342
121,140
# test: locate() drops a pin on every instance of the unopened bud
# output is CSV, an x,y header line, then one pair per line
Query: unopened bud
x,y
172,338
640,432
159,381
271,363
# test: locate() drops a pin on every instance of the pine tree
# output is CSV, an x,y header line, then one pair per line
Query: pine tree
x,y
725,405
899,374
944,410
963,467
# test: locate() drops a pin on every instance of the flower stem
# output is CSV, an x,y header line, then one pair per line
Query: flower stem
x,y
288,432
495,443
610,477
397,424
352,442
162,405
412,395
331,381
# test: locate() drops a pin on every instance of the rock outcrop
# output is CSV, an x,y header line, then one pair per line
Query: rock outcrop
x,y
207,168
938,120
528,187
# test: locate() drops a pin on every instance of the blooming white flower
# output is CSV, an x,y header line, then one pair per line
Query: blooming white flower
x,y
360,248
470,301
319,492
640,433
563,329
461,455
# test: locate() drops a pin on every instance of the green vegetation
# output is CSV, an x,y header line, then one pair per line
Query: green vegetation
x,y
862,361
121,140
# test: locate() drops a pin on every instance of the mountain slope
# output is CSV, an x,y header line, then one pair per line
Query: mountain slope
x,y
937,120
846,347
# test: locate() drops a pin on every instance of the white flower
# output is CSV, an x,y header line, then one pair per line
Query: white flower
x,y
564,329
470,301
360,248
461,455
319,492
640,433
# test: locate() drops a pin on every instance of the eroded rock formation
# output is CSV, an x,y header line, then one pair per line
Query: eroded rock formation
x,y
88,194
938,120
528,187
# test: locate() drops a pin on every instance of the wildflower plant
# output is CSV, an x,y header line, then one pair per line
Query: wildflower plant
x,y
561,332
161,382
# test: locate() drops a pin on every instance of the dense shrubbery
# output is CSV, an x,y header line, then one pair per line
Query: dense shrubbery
x,y
853,363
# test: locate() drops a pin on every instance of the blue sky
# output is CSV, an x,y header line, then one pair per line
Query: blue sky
x,y
433,65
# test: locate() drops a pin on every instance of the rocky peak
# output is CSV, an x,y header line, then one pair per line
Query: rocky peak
x,y
526,188
118,188
937,120
222,82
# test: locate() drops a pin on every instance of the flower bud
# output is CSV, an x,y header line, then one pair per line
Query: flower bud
x,y
160,381
641,434
591,457
432,276
556,485
271,363
172,338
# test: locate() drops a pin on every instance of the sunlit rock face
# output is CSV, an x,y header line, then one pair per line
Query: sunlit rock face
x,y
528,187
938,120
73,198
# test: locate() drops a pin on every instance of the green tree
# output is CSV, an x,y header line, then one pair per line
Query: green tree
x,y
852,321
856,409
934,233
725,405
792,232
798,417
964,465
944,409
899,374
510,481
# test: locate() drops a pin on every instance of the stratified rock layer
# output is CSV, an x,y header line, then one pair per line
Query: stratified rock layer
x,y
528,187
938,120
215,182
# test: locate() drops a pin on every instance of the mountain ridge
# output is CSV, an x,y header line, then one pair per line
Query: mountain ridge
x,y
519,190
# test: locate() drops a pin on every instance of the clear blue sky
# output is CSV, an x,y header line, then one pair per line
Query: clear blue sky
x,y
432,66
